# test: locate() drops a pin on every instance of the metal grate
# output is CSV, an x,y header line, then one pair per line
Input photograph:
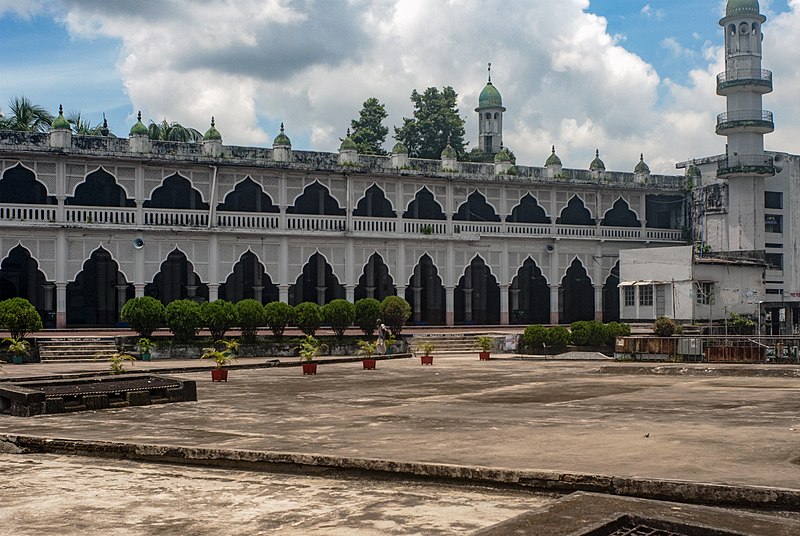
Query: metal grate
x,y
642,530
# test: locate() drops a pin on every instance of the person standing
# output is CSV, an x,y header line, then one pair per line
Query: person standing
x,y
380,345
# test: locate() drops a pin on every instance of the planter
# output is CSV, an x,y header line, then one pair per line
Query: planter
x,y
310,369
426,359
369,364
17,360
146,356
484,356
219,375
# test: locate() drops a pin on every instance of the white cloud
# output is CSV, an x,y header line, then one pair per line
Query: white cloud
x,y
672,44
651,13
23,9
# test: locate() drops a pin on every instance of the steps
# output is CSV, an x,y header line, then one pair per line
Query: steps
x,y
70,349
456,343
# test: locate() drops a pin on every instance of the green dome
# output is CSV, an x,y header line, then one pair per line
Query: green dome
x,y
282,139
742,7
490,97
502,156
139,129
60,122
348,144
212,134
449,152
597,164
641,167
399,148
693,171
554,160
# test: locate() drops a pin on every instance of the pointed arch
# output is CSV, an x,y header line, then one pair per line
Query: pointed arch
x,y
249,280
316,199
426,294
317,283
476,208
528,211
176,192
21,277
424,207
575,213
576,294
177,280
248,196
477,296
529,295
374,204
376,280
621,215
98,293
611,305
100,189
19,185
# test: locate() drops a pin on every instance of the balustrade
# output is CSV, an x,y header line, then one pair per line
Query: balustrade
x,y
176,218
308,222
30,213
106,215
374,225
247,220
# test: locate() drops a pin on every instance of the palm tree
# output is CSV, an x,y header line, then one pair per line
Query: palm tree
x,y
166,131
28,117
81,126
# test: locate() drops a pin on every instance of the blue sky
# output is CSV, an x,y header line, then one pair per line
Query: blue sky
x,y
117,57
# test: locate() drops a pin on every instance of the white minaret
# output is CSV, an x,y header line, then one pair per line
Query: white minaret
x,y
490,118
744,124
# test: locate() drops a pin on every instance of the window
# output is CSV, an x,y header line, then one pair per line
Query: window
x,y
646,296
770,245
774,291
630,297
773,223
773,200
774,261
704,293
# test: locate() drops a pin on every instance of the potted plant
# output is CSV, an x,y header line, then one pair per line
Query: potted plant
x,y
484,344
18,348
144,345
367,350
221,359
427,349
117,362
309,349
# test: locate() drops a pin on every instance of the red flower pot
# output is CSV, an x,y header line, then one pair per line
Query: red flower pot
x,y
219,375
310,369
484,356
426,359
369,364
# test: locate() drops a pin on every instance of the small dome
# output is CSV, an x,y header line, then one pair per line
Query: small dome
x,y
449,152
554,160
742,7
641,167
282,139
502,156
139,129
693,171
348,144
597,164
490,97
399,148
60,122
212,134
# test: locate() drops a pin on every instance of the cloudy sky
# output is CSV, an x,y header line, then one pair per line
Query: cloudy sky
x,y
624,76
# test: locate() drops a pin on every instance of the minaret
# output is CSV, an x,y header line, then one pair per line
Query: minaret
x,y
744,124
490,118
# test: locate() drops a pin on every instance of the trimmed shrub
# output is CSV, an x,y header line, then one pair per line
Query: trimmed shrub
x,y
278,315
395,311
614,330
534,338
144,315
588,333
20,317
183,319
251,317
558,337
308,317
219,316
664,327
368,312
339,315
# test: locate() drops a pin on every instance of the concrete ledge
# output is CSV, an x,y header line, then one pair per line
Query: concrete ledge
x,y
550,481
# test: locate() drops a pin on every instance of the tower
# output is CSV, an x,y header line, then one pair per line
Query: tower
x,y
745,122
490,118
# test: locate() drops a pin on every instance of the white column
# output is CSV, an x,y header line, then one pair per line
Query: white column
x,y
450,308
505,313
554,317
598,303
61,278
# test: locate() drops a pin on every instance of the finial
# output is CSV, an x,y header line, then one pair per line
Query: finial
x,y
348,132
281,127
60,110
490,72
212,121
641,157
105,121
139,117
554,149
597,153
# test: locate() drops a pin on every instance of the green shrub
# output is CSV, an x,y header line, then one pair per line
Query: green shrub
x,y
18,316
278,315
308,317
588,333
144,315
183,319
558,338
534,338
614,330
368,312
395,311
741,325
339,315
251,317
219,316
664,327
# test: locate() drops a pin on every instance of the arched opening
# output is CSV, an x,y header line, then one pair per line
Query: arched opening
x,y
621,215
176,280
176,192
476,208
20,277
477,296
248,197
99,292
529,296
576,295
611,311
528,211
100,189
20,186
426,294
575,213
374,204
249,281
317,200
424,207
316,284
375,281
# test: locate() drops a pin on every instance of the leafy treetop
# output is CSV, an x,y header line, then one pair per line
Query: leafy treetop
x,y
436,121
369,134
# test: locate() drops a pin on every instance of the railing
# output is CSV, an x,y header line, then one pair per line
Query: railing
x,y
576,230
529,229
425,227
28,213
483,228
375,225
756,116
307,222
670,235
174,218
621,232
755,163
248,220
113,216
756,76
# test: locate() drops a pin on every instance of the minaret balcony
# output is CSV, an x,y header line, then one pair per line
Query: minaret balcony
x,y
756,121
746,165
758,80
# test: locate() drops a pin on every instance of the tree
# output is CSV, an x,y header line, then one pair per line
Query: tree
x,y
369,134
395,312
144,315
218,316
28,117
308,317
166,131
251,317
368,312
435,122
183,319
19,317
83,127
339,314
277,316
